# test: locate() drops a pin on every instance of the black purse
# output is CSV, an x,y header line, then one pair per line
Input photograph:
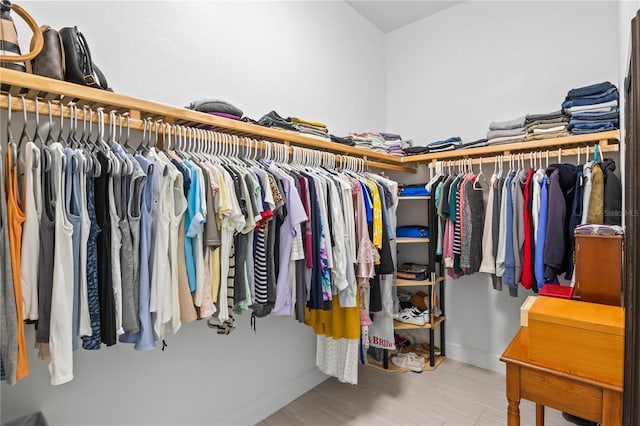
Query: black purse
x,y
80,68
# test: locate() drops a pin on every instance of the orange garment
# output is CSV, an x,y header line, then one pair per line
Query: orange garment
x,y
15,218
339,322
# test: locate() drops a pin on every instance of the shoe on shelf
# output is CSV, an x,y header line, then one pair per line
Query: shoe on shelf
x,y
413,316
436,311
419,300
408,360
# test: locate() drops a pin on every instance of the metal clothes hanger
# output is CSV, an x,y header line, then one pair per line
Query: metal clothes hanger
x,y
11,146
24,134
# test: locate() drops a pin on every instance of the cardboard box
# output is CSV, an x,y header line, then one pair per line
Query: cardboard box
x,y
580,338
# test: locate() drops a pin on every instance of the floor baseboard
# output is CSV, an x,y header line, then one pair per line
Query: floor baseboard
x,y
263,407
475,357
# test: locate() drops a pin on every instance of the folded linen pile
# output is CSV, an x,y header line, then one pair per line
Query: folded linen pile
x,y
394,143
310,127
368,140
544,126
592,108
507,131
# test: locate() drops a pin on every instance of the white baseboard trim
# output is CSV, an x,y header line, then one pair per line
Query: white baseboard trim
x,y
268,404
475,357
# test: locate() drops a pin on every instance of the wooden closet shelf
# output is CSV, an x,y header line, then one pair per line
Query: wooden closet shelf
x,y
407,240
399,282
46,89
607,140
33,86
397,325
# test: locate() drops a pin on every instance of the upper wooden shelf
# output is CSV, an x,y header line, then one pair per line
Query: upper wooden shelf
x,y
46,89
61,92
603,138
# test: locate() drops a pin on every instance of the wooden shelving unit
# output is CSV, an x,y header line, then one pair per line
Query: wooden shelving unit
x,y
433,322
63,93
399,282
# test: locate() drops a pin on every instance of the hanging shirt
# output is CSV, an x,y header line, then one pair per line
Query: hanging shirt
x,y
294,217
32,202
193,222
8,314
528,277
62,297
542,232
85,328
73,212
503,228
91,341
586,194
16,218
488,264
554,245
509,255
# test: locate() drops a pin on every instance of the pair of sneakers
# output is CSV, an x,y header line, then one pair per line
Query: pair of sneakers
x,y
414,316
409,360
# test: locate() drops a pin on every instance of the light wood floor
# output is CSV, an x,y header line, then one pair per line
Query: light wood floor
x,y
455,394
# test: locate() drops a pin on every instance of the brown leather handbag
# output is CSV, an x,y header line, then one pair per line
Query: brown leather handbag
x,y
50,61
10,56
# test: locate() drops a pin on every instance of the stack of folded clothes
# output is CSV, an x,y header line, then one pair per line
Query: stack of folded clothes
x,y
273,119
310,127
394,143
217,107
544,126
507,131
415,150
344,141
592,108
372,141
413,190
473,144
412,271
445,144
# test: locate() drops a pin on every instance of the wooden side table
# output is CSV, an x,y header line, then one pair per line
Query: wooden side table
x,y
586,397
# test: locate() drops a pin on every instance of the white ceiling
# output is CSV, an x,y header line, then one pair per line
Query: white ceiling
x,y
391,15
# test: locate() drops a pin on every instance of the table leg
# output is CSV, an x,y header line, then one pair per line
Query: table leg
x,y
611,408
513,395
539,415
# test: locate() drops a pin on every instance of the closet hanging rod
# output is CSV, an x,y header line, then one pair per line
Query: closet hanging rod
x,y
139,124
567,142
564,152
